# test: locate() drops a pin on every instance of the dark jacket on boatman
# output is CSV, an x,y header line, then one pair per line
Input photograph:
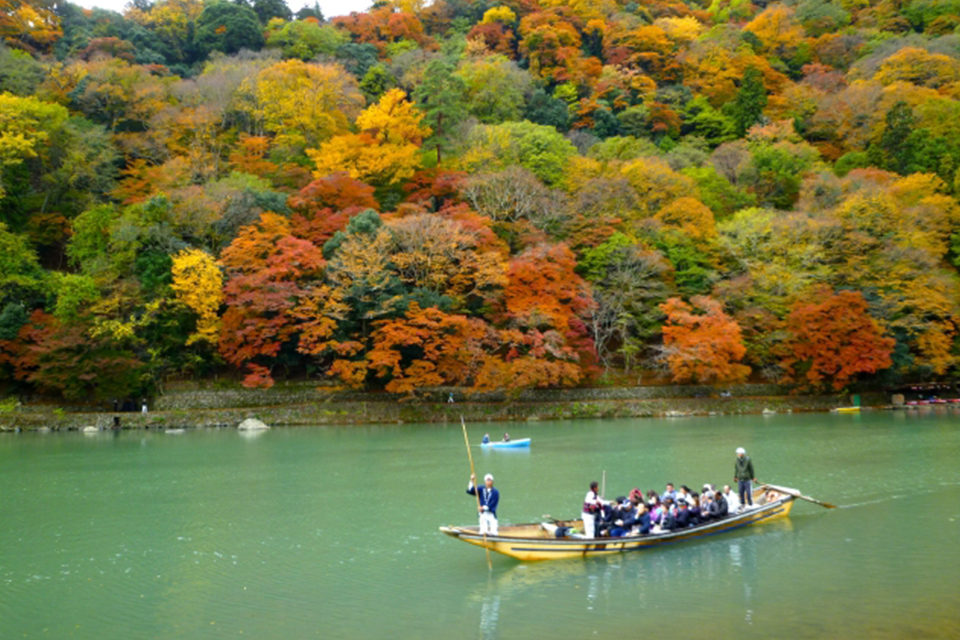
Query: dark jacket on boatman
x,y
743,468
488,497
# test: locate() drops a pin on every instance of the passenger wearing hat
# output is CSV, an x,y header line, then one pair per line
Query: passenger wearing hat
x,y
488,497
743,475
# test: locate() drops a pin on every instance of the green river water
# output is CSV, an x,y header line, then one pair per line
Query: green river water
x,y
332,532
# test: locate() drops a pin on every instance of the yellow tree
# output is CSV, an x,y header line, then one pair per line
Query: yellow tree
x,y
304,104
387,149
436,253
198,284
29,25
655,183
690,216
501,14
778,30
26,125
920,67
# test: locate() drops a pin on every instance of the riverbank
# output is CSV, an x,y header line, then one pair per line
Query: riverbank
x,y
299,404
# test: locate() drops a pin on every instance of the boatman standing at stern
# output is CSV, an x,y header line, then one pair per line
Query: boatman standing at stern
x,y
489,497
743,475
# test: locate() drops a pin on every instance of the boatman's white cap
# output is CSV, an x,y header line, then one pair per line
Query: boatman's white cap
x,y
488,477
741,450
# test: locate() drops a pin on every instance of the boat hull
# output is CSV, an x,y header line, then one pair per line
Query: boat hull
x,y
523,443
530,543
847,410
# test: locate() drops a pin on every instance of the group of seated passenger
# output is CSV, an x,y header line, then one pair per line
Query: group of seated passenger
x,y
639,514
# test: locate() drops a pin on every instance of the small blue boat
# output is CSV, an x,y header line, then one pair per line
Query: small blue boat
x,y
522,443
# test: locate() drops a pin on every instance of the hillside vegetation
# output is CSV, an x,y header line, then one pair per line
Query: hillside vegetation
x,y
505,195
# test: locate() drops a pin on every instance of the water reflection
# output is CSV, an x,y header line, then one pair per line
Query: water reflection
x,y
519,451
730,563
489,616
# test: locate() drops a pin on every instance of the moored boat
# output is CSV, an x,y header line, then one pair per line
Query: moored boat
x,y
536,541
846,410
522,443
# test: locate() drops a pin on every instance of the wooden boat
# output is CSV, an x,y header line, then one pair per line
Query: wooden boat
x,y
534,542
522,443
846,410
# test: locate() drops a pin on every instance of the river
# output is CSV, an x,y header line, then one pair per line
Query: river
x,y
332,532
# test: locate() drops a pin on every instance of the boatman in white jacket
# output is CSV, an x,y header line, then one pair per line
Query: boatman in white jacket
x,y
489,497
592,505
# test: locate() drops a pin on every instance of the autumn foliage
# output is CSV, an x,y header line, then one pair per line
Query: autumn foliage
x,y
701,343
833,339
495,196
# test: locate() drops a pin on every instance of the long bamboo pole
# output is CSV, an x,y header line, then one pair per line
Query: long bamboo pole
x,y
476,487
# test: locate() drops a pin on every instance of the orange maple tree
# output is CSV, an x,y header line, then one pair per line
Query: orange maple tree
x,y
543,310
701,343
833,339
425,348
269,271
324,206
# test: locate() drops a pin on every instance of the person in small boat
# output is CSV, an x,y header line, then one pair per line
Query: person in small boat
x,y
656,513
486,438
695,512
668,517
653,499
705,499
706,504
506,437
733,502
592,505
641,520
684,517
683,495
718,506
489,499
604,519
744,475
669,492
633,520
611,517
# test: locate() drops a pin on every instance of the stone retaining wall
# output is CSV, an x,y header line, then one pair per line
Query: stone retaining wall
x,y
304,393
394,411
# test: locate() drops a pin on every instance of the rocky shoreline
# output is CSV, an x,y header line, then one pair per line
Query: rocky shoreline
x,y
301,405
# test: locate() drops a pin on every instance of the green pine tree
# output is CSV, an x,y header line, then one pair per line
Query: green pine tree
x,y
750,101
441,97
895,149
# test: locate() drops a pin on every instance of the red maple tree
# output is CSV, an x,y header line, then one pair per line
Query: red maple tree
x,y
833,339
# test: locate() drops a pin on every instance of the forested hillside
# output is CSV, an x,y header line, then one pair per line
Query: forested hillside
x,y
529,193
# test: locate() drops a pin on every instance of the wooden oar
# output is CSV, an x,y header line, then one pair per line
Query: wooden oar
x,y
797,494
476,487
